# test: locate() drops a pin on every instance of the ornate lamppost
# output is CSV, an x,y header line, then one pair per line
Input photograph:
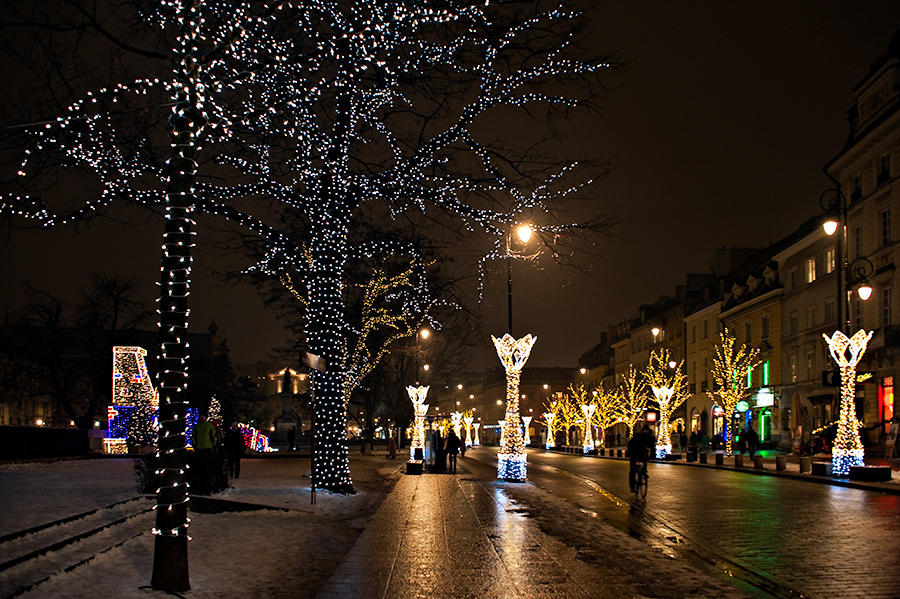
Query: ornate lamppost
x,y
526,420
587,443
548,418
476,442
417,395
848,448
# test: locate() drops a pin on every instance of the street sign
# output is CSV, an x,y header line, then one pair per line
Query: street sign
x,y
313,361
742,406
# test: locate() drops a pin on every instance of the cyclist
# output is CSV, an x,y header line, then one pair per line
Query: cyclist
x,y
639,447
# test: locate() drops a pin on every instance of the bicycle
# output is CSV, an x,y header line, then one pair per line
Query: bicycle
x,y
639,486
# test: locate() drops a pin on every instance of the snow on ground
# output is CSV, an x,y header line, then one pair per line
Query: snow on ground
x,y
34,493
269,553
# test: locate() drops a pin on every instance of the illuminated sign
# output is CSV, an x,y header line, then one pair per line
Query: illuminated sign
x,y
765,397
742,406
651,416
865,377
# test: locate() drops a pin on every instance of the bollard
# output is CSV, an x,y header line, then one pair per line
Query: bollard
x,y
758,462
603,452
704,458
780,463
739,460
720,459
621,453
692,456
805,464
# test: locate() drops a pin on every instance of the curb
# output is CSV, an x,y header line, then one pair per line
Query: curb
x,y
811,478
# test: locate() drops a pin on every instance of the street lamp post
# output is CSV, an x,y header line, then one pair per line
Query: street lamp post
x,y
523,232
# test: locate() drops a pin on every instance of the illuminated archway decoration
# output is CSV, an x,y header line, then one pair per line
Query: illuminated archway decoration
x,y
456,419
417,395
468,421
663,443
848,448
548,418
526,420
513,354
588,436
476,441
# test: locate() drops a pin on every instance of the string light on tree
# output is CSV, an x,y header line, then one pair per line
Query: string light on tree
x,y
548,421
587,444
731,366
633,394
609,409
456,419
848,448
513,354
417,395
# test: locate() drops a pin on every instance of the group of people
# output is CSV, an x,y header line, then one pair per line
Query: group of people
x,y
217,455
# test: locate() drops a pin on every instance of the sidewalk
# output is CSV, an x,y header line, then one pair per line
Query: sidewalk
x,y
442,535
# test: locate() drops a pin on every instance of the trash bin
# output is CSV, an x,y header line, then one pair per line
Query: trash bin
x,y
758,462
780,463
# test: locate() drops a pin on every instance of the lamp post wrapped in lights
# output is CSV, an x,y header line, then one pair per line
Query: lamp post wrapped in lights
x,y
663,442
548,418
456,420
417,395
468,420
588,437
476,442
513,355
848,448
526,420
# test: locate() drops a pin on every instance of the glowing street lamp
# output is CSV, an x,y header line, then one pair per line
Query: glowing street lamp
x,y
417,395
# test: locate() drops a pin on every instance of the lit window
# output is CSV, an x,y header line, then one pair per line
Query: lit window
x,y
830,260
810,270
764,327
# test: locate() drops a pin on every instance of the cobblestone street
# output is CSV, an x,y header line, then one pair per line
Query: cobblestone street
x,y
815,539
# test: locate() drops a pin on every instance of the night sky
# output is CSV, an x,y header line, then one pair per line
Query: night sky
x,y
719,128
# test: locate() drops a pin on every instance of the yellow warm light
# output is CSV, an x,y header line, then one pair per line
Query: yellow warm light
x,y
865,292
830,226
425,333
524,232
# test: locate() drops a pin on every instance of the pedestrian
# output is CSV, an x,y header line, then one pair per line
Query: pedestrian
x,y
462,448
204,440
453,445
684,440
234,450
292,437
752,440
392,448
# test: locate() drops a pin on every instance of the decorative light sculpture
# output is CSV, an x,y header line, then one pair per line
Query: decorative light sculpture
x,y
527,421
588,436
468,420
456,419
417,395
133,416
663,396
548,418
513,355
848,448
476,442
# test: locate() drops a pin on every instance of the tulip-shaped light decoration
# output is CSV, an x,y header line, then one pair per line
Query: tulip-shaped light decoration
x,y
663,443
513,354
456,421
468,422
476,441
848,448
527,421
587,436
417,395
548,418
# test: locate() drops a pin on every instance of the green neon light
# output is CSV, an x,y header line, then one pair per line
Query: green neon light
x,y
766,373
749,377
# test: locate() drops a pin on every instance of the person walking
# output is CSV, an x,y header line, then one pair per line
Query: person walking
x,y
203,441
752,440
452,450
234,450
392,448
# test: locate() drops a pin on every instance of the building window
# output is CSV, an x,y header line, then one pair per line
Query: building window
x,y
765,371
810,363
747,331
829,309
794,367
885,227
857,242
856,192
810,270
830,260
793,323
886,307
705,329
794,282
764,327
810,317
884,168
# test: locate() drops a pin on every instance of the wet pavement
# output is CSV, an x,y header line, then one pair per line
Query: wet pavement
x,y
780,536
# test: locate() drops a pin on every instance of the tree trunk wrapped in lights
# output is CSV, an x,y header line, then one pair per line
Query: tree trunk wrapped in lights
x,y
417,395
526,420
468,420
513,355
848,448
587,437
549,417
730,369
476,442
634,396
669,386
609,410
